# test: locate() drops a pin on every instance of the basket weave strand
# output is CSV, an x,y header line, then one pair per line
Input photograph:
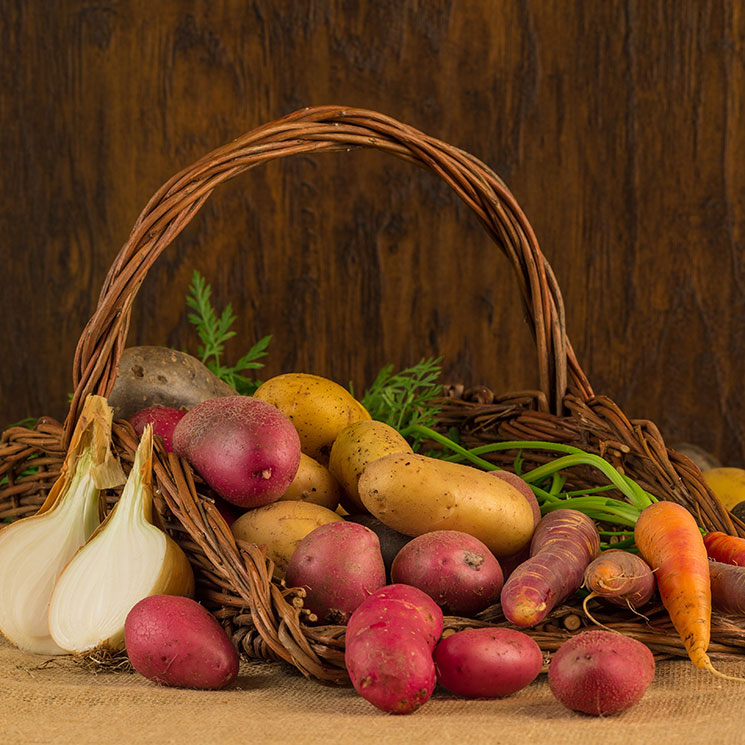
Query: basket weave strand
x,y
265,618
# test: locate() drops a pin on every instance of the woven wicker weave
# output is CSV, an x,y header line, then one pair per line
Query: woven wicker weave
x,y
234,579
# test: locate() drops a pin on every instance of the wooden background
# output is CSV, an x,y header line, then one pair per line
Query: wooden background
x,y
619,126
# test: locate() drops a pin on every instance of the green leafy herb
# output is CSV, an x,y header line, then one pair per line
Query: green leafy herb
x,y
214,331
28,422
408,397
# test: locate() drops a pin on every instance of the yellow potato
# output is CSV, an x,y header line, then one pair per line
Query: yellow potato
x,y
727,483
357,445
318,407
313,483
280,526
415,494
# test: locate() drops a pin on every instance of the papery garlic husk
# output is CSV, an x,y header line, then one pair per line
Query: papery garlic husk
x,y
126,559
35,550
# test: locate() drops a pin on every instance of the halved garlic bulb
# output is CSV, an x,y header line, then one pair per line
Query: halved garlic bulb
x,y
126,559
35,550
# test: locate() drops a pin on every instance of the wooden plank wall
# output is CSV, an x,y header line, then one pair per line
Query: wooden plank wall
x,y
619,126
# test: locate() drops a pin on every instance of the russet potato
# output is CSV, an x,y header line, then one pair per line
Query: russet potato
x,y
280,526
357,445
415,494
318,407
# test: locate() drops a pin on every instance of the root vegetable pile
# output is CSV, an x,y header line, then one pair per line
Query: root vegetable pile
x,y
383,529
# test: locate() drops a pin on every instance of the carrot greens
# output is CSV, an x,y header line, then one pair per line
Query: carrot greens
x,y
406,398
214,331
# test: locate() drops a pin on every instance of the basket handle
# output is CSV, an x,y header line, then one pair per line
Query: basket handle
x,y
327,129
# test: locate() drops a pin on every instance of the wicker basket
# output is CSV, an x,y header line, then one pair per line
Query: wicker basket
x,y
265,618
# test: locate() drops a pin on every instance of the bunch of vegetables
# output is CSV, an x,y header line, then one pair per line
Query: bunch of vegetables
x,y
384,536
454,523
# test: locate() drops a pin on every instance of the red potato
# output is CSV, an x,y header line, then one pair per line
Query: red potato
x,y
175,641
391,668
621,578
601,672
563,544
487,662
339,565
164,420
230,512
401,605
244,448
389,644
455,569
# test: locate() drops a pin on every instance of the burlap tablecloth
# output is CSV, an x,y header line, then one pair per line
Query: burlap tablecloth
x,y
58,702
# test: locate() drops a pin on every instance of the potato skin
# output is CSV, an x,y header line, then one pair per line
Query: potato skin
x,y
280,527
319,409
415,494
391,668
455,569
487,662
339,565
357,445
601,672
401,606
175,641
164,420
245,449
313,483
158,376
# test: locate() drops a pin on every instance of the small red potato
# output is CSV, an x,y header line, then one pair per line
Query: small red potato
x,y
339,565
402,606
164,420
389,643
455,569
391,668
230,512
175,641
601,672
244,448
487,662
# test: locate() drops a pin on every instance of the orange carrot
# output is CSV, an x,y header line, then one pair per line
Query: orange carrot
x,y
727,549
669,540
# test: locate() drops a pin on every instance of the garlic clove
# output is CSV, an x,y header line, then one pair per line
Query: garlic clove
x,y
35,550
127,559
